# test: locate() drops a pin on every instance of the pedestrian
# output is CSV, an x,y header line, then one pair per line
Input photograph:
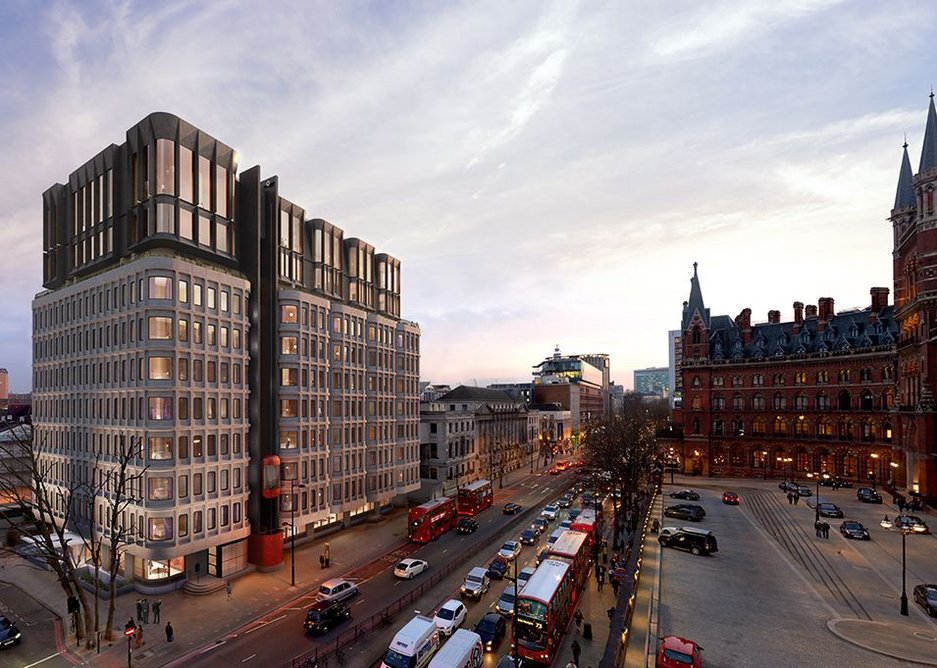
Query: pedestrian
x,y
796,498
790,498
576,649
146,611
900,504
614,561
601,580
826,529
228,589
321,561
818,528
578,619
140,640
615,584
611,614
139,609
169,633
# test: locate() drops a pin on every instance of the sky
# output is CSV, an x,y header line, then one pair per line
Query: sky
x,y
547,172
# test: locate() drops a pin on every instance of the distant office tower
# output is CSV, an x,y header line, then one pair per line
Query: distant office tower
x,y
4,389
675,355
579,383
652,382
256,355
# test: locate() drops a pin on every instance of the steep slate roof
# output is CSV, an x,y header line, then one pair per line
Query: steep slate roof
x,y
905,194
467,393
850,330
695,303
929,152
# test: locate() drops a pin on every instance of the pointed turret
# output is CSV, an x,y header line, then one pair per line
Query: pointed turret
x,y
695,303
929,152
904,197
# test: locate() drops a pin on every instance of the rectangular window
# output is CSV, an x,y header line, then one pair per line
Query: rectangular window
x,y
236,339
221,237
197,521
221,190
223,338
210,375
210,338
212,476
288,377
223,304
197,294
160,368
197,484
159,488
183,291
165,218
185,174
212,294
204,182
204,230
183,444
288,345
160,408
289,407
185,224
196,331
160,287
289,314
160,328
183,525
160,528
165,167
183,333
160,447
211,518
197,366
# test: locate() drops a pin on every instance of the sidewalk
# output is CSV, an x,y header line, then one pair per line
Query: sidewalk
x,y
201,620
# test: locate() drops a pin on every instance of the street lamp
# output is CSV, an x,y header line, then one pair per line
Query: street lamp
x,y
874,456
887,524
293,487
764,462
816,499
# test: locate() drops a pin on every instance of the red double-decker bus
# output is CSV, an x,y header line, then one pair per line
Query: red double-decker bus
x,y
575,548
475,498
589,522
431,520
544,608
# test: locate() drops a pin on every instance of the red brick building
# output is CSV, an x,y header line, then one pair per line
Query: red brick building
x,y
813,394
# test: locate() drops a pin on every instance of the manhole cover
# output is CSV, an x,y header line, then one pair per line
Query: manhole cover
x,y
925,636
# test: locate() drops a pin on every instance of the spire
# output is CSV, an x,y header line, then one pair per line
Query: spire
x,y
905,195
695,303
929,152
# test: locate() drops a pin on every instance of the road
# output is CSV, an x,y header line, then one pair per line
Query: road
x,y
766,597
278,637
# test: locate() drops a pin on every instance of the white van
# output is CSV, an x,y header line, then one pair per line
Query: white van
x,y
463,650
414,645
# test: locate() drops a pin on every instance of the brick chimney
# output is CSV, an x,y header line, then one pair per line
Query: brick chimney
x,y
774,317
825,314
798,317
879,299
811,311
744,321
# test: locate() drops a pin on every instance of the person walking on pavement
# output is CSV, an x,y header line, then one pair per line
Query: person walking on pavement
x,y
611,614
139,610
796,498
576,649
140,640
615,584
169,632
601,579
790,499
156,606
228,589
818,528
825,528
578,619
146,611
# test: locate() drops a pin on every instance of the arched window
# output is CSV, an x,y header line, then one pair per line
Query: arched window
x,y
823,402
696,335
800,401
846,430
717,427
719,403
886,431
738,402
780,426
695,425
758,425
824,428
738,426
800,378
869,431
844,403
865,375
696,381
823,377
780,402
802,426
865,401
844,375
758,402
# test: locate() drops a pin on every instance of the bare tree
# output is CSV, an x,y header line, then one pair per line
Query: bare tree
x,y
115,484
27,480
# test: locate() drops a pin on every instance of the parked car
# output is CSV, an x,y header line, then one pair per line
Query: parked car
x,y
855,530
476,583
549,512
677,652
731,498
511,509
450,616
697,541
539,525
685,494
528,536
827,509
510,549
788,486
911,523
9,633
669,531
408,568
925,595
835,482
803,490
524,576
505,604
325,615
491,628
337,589
868,495
685,511
497,568
467,525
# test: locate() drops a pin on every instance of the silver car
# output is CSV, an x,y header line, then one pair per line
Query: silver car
x,y
505,603
337,589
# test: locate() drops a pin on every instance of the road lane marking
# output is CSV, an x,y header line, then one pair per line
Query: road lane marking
x,y
248,658
264,623
51,656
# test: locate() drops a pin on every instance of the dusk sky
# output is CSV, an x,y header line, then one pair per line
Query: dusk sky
x,y
547,173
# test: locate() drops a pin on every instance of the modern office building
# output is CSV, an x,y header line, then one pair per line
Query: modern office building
x,y
579,383
255,354
652,382
675,357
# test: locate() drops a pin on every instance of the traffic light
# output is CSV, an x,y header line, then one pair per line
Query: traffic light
x,y
73,606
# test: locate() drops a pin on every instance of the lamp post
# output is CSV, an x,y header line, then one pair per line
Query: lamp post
x,y
816,499
887,524
293,487
129,629
874,456
764,462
